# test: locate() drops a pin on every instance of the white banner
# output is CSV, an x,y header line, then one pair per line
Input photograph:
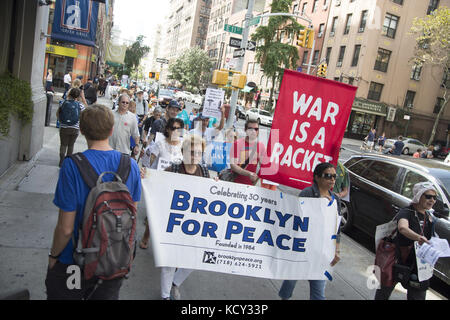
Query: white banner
x,y
213,103
198,223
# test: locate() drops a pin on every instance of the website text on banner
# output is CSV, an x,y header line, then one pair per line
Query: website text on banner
x,y
308,128
226,227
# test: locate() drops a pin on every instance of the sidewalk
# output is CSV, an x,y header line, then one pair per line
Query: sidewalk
x,y
28,218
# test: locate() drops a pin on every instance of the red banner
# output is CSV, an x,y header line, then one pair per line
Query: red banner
x,y
307,129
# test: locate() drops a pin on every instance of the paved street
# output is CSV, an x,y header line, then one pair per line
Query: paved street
x,y
28,218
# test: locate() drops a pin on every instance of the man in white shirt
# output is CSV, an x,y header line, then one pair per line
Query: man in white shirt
x,y
141,105
67,83
125,126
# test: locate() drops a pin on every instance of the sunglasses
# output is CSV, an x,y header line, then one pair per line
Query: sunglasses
x,y
174,128
329,176
256,129
430,196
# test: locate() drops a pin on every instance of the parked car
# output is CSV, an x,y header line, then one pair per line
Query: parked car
x,y
198,99
241,111
381,185
180,94
441,149
263,117
411,145
165,96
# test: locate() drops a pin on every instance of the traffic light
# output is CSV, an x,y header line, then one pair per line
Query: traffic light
x,y
322,70
220,77
157,76
302,37
239,80
151,75
311,34
305,38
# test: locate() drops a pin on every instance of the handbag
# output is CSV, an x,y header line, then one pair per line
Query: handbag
x,y
230,175
385,259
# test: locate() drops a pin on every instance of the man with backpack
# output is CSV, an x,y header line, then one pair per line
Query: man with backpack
x,y
69,121
90,92
97,194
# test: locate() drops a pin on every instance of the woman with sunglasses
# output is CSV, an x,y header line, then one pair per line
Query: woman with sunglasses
x,y
414,224
168,149
324,180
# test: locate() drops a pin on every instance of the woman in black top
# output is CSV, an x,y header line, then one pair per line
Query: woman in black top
x,y
414,224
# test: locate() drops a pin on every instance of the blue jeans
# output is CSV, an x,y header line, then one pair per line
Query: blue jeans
x,y
316,289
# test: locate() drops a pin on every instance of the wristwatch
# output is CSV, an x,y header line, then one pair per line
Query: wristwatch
x,y
54,257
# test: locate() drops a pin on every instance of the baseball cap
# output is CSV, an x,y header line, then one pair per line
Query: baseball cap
x,y
174,104
419,189
201,117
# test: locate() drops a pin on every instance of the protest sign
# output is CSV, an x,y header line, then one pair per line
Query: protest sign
x,y
308,127
219,155
219,226
213,103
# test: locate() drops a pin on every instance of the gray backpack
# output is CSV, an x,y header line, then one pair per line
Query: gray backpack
x,y
106,242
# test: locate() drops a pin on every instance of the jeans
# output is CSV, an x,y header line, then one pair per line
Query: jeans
x,y
57,288
169,276
67,136
412,294
66,88
316,289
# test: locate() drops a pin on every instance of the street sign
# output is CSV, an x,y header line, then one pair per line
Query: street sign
x,y
254,21
236,43
233,29
161,60
239,53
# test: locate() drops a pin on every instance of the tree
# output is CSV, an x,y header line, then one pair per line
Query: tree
x,y
432,48
273,55
192,69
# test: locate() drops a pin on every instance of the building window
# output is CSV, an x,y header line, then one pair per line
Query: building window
x,y
304,8
341,56
294,10
434,4
409,99
362,24
356,55
328,54
390,25
314,8
305,58
398,2
375,91
316,57
446,79
415,72
321,28
333,26
438,105
382,62
348,24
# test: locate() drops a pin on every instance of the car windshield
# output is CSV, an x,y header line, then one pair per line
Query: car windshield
x,y
264,113
446,184
163,92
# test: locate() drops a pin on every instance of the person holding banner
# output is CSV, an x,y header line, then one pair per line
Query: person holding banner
x,y
324,180
247,150
162,154
414,224
201,128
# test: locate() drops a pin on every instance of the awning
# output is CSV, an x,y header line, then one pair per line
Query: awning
x,y
61,51
247,89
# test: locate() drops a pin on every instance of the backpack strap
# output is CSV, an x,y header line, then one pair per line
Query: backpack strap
x,y
87,172
124,167
204,170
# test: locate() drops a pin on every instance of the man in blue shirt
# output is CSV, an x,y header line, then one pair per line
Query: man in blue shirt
x,y
96,124
397,149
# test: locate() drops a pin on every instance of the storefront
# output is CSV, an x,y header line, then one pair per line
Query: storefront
x,y
364,116
60,60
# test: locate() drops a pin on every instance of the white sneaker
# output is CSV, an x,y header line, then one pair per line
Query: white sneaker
x,y
175,293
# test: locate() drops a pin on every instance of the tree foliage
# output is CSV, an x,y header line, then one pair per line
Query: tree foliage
x,y
271,53
432,48
133,57
192,69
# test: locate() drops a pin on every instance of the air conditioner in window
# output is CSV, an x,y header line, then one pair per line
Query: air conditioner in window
x,y
361,29
339,64
325,7
319,35
332,34
410,105
338,3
